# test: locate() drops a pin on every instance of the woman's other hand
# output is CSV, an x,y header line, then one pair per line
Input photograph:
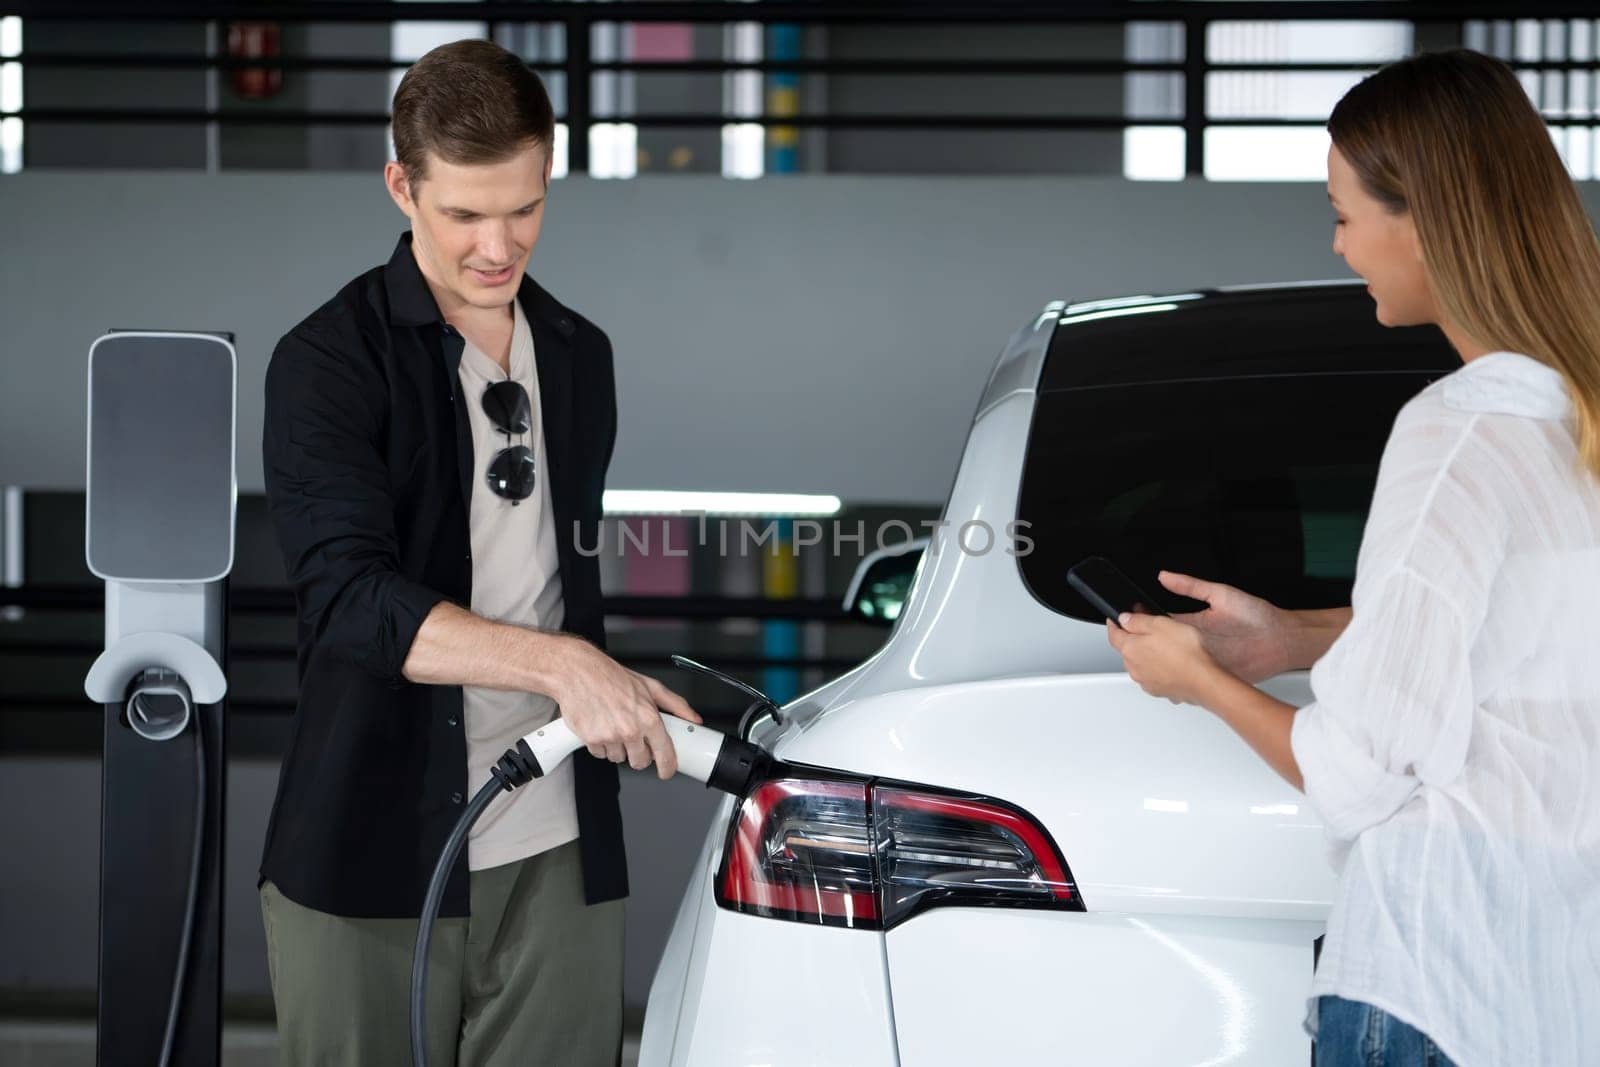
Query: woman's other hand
x,y
1246,636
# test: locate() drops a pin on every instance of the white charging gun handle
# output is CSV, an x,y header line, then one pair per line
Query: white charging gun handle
x,y
697,746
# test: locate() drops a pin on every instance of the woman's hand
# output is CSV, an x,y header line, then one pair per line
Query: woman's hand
x,y
1247,636
1167,658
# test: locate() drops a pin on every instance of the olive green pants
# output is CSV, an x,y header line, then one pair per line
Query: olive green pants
x,y
533,977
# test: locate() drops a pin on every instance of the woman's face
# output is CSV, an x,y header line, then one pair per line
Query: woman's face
x,y
1381,247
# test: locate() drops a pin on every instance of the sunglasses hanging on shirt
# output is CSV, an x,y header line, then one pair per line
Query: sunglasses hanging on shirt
x,y
510,474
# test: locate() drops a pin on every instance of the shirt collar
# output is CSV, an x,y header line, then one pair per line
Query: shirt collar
x,y
1509,383
411,302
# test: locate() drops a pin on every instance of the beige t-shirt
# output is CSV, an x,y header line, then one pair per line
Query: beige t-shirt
x,y
515,579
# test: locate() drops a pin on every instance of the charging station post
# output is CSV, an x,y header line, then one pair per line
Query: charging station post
x,y
159,530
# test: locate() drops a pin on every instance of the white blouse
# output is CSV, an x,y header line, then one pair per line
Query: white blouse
x,y
1453,749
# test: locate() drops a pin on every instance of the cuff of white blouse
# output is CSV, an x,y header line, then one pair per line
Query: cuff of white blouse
x,y
1346,785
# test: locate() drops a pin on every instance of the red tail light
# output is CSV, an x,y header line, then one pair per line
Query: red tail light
x,y
846,852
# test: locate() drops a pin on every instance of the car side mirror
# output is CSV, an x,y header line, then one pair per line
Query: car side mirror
x,y
878,590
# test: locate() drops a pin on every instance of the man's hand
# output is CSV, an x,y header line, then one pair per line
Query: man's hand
x,y
615,711
1247,636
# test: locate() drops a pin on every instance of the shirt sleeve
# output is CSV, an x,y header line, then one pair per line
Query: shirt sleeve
x,y
328,492
1394,697
1393,707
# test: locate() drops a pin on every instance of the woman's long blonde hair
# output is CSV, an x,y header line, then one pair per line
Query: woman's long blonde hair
x,y
1452,138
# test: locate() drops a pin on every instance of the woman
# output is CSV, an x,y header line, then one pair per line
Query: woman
x,y
1453,748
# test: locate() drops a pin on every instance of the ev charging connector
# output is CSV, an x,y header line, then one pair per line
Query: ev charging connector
x,y
160,503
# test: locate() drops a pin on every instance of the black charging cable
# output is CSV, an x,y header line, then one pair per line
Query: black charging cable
x,y
517,767
192,904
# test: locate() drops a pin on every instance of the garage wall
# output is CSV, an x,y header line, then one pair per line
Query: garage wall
x,y
769,334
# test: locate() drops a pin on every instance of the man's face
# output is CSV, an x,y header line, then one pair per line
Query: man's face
x,y
474,226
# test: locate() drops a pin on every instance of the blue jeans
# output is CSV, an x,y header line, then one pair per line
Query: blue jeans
x,y
1353,1034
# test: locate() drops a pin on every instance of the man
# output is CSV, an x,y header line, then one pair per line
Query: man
x,y
435,446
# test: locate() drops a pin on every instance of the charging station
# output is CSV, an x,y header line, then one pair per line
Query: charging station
x,y
159,530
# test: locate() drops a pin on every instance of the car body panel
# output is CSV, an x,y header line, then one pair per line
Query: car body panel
x,y
1071,987
670,984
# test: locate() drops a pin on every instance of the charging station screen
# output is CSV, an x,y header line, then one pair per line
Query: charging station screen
x,y
161,458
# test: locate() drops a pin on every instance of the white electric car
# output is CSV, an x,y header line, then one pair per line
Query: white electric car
x,y
985,845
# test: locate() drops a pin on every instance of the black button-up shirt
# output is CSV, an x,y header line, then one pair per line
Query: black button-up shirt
x,y
369,466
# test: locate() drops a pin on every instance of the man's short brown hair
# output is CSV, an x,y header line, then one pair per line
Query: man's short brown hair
x,y
469,102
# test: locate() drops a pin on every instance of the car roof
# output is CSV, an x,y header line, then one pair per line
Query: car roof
x,y
1233,331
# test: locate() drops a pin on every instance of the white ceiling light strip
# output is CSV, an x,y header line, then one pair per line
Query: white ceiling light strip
x,y
673,502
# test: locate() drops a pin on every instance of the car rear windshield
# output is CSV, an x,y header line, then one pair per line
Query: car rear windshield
x,y
1259,482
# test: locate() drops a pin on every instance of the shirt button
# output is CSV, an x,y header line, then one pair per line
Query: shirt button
x,y
451,721
455,798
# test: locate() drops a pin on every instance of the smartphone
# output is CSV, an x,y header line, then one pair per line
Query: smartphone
x,y
1108,590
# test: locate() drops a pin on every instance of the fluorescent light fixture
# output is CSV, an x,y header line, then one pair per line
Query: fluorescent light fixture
x,y
1267,153
671,502
1153,153
744,146
10,87
1311,41
1115,313
1175,807
613,150
411,39
558,152
10,145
